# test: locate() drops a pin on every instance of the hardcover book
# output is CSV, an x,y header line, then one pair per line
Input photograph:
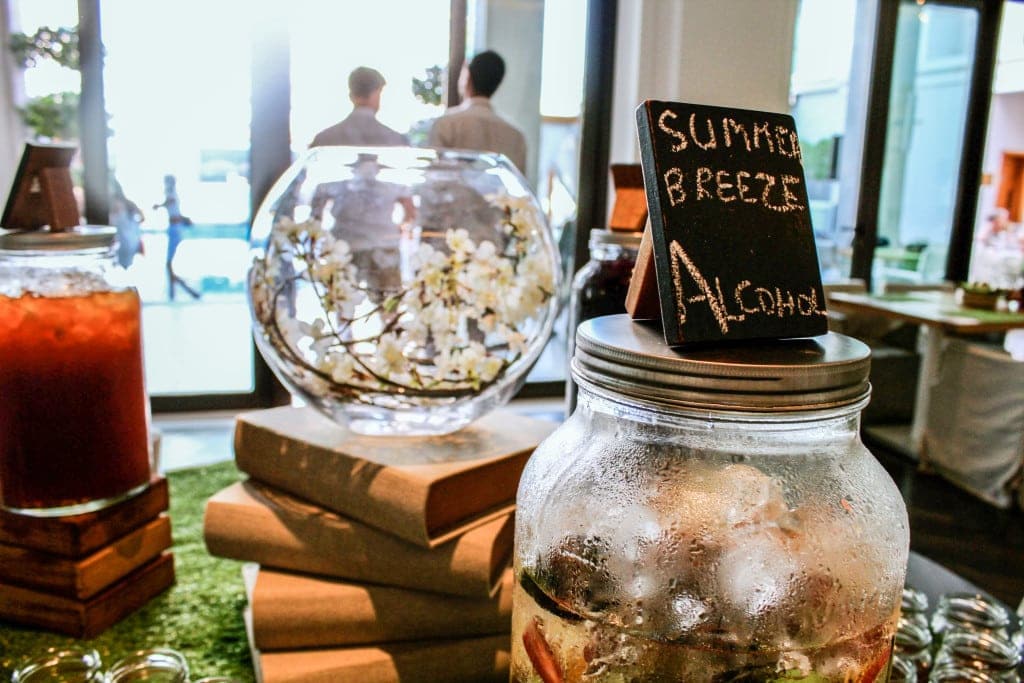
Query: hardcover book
x,y
253,522
296,611
426,490
480,660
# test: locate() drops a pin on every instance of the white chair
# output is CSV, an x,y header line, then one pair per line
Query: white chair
x,y
974,429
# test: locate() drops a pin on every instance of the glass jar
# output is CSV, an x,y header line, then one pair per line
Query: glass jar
x,y
74,415
600,286
399,290
69,665
708,515
157,665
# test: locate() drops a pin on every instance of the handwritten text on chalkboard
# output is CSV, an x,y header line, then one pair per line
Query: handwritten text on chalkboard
x,y
733,244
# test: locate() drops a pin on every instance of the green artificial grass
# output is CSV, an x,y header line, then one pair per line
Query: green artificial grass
x,y
200,616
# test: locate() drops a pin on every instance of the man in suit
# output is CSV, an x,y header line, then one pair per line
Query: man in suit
x,y
474,124
361,127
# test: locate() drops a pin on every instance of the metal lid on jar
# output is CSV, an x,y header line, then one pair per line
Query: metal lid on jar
x,y
79,238
631,359
621,238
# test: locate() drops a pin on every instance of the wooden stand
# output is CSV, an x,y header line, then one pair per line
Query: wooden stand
x,y
79,535
87,618
42,193
80,574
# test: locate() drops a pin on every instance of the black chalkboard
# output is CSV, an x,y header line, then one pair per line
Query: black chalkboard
x,y
731,230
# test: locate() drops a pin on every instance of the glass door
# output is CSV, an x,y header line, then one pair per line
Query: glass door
x,y
932,70
177,93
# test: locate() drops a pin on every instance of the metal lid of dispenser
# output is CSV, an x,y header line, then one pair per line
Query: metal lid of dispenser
x,y
629,358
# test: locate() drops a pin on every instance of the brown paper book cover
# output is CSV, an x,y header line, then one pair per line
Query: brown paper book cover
x,y
480,660
425,490
85,577
80,535
87,618
253,522
294,611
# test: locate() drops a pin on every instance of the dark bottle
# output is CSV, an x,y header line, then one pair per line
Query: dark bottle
x,y
600,287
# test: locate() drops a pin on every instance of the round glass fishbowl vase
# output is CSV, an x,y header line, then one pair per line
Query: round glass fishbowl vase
x,y
400,290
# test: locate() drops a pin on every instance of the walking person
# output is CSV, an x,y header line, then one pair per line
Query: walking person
x,y
176,224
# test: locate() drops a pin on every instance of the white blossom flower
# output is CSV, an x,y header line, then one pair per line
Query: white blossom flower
x,y
388,355
458,241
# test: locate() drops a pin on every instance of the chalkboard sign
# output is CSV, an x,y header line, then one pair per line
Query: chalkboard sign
x,y
731,230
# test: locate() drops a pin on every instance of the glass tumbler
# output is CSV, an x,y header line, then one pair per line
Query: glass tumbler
x,y
158,665
68,665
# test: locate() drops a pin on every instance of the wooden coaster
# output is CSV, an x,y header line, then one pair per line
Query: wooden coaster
x,y
79,535
84,578
87,618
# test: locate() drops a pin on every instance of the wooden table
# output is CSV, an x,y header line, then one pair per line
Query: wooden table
x,y
939,315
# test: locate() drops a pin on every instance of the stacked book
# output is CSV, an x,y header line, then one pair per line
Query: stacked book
x,y
80,574
379,559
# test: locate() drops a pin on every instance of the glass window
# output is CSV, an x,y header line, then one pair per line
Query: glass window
x,y
820,94
932,68
403,51
178,101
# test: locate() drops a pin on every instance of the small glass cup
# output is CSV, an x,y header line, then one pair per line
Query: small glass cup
x,y
67,664
914,601
961,674
902,670
157,665
969,612
992,654
913,642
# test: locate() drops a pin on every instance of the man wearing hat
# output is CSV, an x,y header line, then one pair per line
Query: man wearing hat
x,y
474,124
361,127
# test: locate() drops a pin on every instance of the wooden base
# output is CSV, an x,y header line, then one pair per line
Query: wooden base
x,y
84,578
77,536
87,618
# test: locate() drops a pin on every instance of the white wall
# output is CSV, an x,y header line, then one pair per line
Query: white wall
x,y
734,53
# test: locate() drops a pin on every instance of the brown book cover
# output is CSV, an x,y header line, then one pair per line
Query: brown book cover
x,y
87,618
80,535
425,490
294,611
441,661
255,523
85,577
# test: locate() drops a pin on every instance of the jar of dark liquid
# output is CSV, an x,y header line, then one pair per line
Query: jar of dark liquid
x,y
74,415
600,286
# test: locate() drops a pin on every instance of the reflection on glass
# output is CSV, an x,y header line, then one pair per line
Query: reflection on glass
x,y
932,67
178,100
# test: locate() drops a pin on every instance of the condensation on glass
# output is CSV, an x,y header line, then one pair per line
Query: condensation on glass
x,y
708,515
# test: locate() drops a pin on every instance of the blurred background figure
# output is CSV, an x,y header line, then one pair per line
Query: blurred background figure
x,y
474,124
126,217
361,127
176,224
998,256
